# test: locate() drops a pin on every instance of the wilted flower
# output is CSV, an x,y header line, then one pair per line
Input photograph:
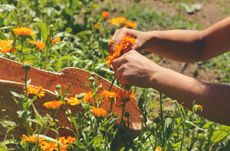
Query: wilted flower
x,y
73,101
98,112
39,91
125,44
23,31
38,44
52,104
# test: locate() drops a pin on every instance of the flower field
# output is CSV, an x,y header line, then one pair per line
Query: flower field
x,y
54,34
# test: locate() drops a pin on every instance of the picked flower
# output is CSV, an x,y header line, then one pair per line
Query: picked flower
x,y
39,91
6,46
55,40
105,14
124,45
23,31
98,112
73,101
52,104
38,44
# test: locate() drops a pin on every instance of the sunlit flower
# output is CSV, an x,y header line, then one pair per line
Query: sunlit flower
x,y
38,44
108,95
6,46
125,44
88,98
73,101
105,14
23,31
52,104
55,40
67,140
39,91
158,148
130,24
117,21
30,139
98,112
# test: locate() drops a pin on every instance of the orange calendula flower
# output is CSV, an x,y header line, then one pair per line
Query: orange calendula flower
x,y
6,46
98,112
52,104
125,44
67,140
55,40
30,139
88,98
73,101
130,24
158,148
108,95
117,21
23,31
39,91
126,95
38,44
105,14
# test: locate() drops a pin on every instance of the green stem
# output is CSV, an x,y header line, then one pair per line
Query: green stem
x,y
112,83
162,120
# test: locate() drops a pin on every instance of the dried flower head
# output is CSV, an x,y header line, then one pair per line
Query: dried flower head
x,y
23,31
124,45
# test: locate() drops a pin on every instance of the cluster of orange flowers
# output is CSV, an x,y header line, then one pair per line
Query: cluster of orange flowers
x,y
125,44
61,144
6,46
119,21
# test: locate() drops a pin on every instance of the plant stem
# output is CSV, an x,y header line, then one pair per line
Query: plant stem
x,y
112,83
162,120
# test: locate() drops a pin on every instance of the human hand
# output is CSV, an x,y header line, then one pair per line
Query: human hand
x,y
132,68
142,39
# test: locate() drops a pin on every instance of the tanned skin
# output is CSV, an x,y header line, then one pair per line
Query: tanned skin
x,y
132,68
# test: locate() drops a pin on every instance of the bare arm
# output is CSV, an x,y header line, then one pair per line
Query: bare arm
x,y
183,45
134,69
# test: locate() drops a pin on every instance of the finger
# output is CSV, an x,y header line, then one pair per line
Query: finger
x,y
119,72
116,63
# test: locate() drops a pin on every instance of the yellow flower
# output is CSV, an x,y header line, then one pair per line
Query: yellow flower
x,y
23,31
39,91
73,101
158,148
68,140
30,139
130,24
105,14
38,44
117,21
52,104
55,40
5,46
88,98
107,95
98,112
124,45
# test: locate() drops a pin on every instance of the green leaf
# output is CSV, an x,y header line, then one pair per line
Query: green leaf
x,y
218,136
3,147
44,30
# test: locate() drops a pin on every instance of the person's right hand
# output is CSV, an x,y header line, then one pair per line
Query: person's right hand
x,y
142,39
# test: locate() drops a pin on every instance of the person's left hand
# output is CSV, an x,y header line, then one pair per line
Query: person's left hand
x,y
132,68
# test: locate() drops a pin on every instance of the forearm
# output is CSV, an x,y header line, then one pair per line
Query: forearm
x,y
215,98
188,45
